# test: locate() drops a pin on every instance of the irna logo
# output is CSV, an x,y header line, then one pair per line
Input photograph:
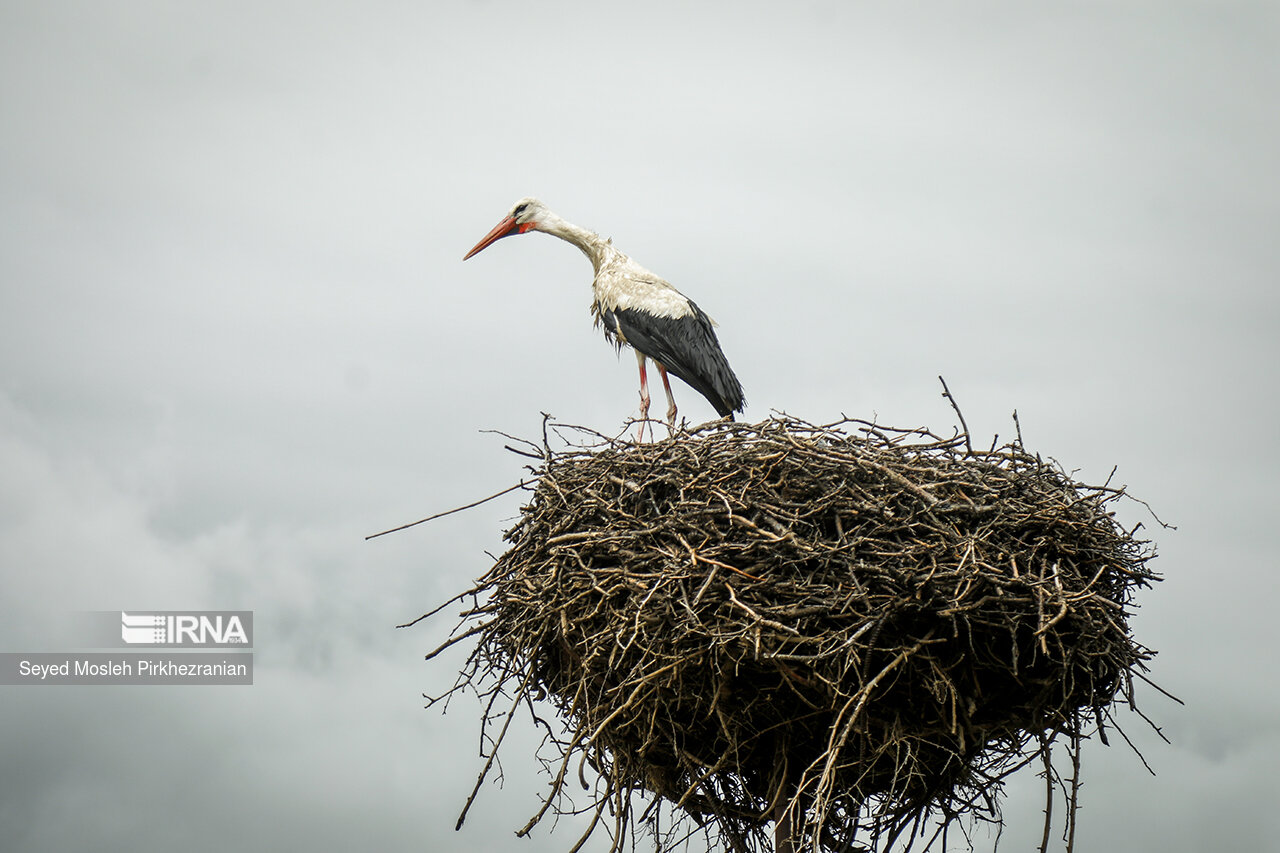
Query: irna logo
x,y
193,628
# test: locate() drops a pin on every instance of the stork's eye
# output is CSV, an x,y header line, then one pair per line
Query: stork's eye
x,y
520,208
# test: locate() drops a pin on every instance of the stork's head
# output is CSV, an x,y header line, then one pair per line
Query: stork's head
x,y
526,215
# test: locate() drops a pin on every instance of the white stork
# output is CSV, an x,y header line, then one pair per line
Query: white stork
x,y
639,309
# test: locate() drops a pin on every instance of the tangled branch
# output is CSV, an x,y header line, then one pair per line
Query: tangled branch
x,y
849,633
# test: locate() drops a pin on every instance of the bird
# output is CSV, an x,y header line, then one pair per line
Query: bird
x,y
637,308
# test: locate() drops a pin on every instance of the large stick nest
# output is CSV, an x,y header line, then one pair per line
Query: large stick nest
x,y
842,630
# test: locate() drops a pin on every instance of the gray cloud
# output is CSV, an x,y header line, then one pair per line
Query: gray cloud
x,y
237,336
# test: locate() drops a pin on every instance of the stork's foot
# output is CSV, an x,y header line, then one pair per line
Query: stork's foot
x,y
671,400
644,417
671,423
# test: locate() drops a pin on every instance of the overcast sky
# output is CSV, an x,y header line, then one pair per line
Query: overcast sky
x,y
237,336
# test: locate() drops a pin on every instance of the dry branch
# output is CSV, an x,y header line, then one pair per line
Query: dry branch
x,y
848,630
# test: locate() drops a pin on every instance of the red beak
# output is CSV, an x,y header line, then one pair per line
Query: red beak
x,y
505,228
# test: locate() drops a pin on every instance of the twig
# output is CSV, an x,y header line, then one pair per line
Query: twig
x,y
1045,747
946,392
518,485
1073,802
493,751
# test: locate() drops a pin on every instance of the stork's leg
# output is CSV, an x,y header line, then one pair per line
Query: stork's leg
x,y
671,400
644,397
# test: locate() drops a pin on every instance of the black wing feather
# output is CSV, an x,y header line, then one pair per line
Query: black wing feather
x,y
687,347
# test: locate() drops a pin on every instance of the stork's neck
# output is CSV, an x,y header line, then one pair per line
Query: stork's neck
x,y
595,247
